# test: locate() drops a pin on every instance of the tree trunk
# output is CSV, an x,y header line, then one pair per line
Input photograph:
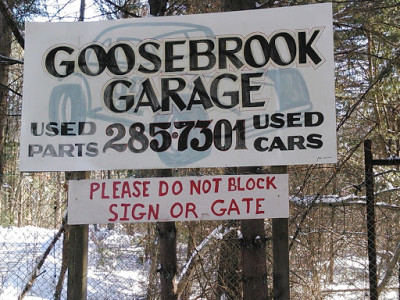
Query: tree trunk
x,y
158,7
167,233
167,238
5,50
152,254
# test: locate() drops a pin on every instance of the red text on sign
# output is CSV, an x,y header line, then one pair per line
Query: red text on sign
x,y
221,207
204,186
178,209
120,189
128,212
249,184
164,187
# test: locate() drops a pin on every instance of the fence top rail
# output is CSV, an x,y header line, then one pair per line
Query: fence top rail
x,y
386,162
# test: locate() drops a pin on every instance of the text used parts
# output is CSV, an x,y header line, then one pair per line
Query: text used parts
x,y
180,92
178,199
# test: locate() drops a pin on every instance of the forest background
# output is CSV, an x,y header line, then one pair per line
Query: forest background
x,y
327,225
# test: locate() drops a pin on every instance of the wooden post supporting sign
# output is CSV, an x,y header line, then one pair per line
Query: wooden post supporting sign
x,y
78,256
280,249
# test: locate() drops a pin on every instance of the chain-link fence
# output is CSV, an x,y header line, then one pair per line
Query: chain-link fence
x,y
329,262
328,258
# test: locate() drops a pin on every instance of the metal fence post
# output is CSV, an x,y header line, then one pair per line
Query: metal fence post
x,y
369,189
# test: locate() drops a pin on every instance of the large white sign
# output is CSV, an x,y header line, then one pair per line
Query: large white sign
x,y
178,199
231,89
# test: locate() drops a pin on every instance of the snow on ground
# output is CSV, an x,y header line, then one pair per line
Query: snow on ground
x,y
115,269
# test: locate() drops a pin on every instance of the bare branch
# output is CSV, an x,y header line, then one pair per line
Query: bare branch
x,y
2,86
323,188
389,270
4,60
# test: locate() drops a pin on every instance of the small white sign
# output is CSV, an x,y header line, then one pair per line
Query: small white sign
x,y
181,91
178,199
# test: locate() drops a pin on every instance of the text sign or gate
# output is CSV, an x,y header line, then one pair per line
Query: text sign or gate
x,y
181,91
178,199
